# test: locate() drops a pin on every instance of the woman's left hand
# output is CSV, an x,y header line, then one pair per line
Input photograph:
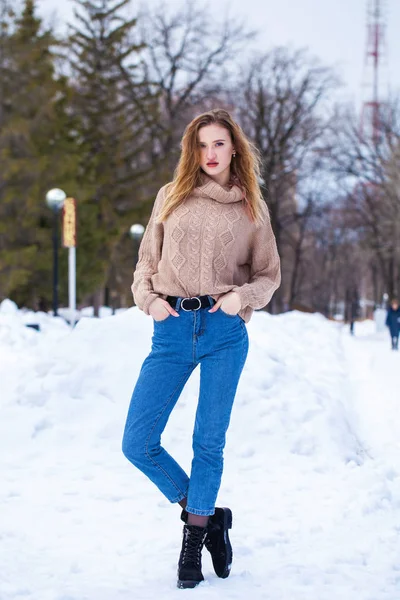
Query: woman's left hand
x,y
229,303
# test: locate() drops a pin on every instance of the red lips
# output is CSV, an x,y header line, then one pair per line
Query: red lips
x,y
212,164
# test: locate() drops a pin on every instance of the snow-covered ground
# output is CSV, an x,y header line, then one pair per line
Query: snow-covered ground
x,y
312,469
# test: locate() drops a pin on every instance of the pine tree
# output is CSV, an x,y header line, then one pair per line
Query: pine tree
x,y
111,101
37,148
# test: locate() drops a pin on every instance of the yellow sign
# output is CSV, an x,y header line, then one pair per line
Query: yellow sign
x,y
69,223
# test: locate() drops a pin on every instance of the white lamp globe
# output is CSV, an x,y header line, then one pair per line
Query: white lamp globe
x,y
136,231
55,198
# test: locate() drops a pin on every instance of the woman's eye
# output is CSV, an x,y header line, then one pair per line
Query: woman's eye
x,y
219,144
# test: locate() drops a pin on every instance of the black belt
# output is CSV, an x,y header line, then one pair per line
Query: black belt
x,y
187,304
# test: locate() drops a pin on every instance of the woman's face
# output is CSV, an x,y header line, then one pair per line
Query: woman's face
x,y
216,150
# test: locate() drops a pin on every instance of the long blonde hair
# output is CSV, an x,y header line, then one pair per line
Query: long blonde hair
x,y
245,167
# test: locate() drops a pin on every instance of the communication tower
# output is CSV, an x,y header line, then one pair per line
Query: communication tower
x,y
372,107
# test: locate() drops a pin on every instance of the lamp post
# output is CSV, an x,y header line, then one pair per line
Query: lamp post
x,y
385,299
55,199
136,232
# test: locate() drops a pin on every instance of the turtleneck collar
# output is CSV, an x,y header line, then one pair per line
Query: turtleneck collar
x,y
212,189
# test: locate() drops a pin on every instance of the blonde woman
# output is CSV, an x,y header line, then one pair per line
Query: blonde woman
x,y
208,258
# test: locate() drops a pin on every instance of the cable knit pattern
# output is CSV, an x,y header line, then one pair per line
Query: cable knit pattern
x,y
178,260
194,242
211,223
226,238
208,245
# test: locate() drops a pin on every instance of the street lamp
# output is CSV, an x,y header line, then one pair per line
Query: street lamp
x,y
136,232
55,199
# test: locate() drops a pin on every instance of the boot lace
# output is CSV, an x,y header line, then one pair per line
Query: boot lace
x,y
192,545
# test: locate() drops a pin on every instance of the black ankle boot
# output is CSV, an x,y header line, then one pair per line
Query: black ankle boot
x,y
189,566
217,541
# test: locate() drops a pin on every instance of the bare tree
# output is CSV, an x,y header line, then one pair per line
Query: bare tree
x,y
283,108
370,170
190,57
297,238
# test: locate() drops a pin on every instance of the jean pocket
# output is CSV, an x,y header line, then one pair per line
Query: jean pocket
x,y
228,315
162,320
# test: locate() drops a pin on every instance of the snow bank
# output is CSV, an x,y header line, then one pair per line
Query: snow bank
x,y
315,498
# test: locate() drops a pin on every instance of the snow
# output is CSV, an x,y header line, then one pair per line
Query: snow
x,y
311,464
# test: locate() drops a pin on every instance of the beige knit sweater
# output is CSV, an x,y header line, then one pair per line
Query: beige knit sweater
x,y
208,245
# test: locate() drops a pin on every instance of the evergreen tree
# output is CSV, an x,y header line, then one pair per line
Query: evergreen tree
x,y
37,149
111,101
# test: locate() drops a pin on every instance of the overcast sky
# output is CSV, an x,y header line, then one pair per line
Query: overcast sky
x,y
333,30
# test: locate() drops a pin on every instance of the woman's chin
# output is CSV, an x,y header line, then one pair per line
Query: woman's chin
x,y
214,171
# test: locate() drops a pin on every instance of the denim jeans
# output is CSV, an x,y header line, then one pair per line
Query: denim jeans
x,y
218,343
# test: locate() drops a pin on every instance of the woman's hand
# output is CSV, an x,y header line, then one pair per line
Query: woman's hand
x,y
229,303
160,310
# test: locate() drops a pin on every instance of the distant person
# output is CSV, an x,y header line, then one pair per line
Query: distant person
x,y
393,322
208,258
354,307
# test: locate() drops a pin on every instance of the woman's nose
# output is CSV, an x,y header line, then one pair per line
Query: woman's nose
x,y
210,153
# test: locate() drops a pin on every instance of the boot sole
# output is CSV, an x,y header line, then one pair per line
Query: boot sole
x,y
227,524
187,584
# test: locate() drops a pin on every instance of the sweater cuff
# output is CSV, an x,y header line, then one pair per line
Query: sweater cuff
x,y
148,301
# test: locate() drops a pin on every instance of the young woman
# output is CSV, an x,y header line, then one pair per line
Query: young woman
x,y
208,258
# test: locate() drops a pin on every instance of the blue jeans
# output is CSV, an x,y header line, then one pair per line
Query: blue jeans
x,y
219,344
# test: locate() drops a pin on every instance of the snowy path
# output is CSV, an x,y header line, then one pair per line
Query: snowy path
x,y
312,468
375,372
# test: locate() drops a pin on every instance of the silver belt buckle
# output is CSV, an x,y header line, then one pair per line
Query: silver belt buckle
x,y
190,309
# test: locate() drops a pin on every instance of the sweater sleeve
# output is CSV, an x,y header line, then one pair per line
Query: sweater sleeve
x,y
149,257
265,273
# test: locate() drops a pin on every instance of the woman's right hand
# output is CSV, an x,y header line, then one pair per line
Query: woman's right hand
x,y
160,310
